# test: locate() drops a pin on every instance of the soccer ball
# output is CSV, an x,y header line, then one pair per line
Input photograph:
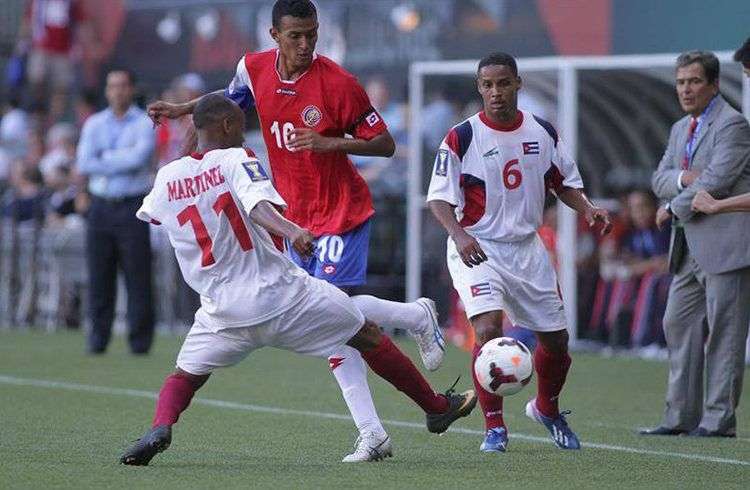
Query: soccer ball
x,y
503,366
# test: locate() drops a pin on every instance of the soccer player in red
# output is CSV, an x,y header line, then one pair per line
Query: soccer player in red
x,y
306,104
487,189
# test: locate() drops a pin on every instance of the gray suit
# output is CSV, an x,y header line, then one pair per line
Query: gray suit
x,y
708,311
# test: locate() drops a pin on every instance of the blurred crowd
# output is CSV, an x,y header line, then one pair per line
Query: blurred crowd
x,y
50,93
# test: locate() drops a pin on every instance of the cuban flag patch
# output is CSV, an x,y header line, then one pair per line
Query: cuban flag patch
x,y
530,147
255,170
481,289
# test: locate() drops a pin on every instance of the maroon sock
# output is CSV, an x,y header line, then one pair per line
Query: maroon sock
x,y
492,405
174,398
388,362
551,370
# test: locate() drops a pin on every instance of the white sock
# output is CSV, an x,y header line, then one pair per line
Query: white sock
x,y
350,371
391,314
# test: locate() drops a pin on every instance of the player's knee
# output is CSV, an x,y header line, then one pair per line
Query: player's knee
x,y
487,326
554,342
195,380
367,338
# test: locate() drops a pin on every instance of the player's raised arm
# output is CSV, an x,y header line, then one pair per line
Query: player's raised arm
x,y
157,110
238,91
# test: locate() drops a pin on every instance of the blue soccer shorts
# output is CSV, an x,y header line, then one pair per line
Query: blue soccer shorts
x,y
339,259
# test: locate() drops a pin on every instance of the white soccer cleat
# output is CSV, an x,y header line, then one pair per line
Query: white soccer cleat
x,y
370,447
429,338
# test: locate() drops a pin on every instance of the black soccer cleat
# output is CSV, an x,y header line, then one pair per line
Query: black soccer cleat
x,y
459,405
153,442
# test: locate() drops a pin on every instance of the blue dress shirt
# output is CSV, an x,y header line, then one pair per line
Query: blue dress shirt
x,y
115,153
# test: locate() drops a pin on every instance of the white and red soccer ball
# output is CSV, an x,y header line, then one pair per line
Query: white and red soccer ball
x,y
504,366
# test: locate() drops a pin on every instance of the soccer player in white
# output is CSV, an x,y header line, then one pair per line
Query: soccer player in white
x,y
487,189
218,207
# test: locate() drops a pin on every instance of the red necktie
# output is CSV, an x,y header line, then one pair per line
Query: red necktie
x,y
691,132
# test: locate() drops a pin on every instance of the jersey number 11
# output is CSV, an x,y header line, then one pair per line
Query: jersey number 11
x,y
223,203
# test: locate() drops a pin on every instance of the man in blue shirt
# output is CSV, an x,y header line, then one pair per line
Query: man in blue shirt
x,y
115,153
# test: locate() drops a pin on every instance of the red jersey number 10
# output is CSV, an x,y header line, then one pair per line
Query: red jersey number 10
x,y
224,203
282,133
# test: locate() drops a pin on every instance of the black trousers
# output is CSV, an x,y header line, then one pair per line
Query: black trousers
x,y
116,239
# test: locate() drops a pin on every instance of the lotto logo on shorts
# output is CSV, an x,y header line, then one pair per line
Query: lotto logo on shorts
x,y
481,289
372,119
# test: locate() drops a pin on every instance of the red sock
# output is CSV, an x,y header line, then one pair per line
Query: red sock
x,y
174,398
492,405
388,362
551,370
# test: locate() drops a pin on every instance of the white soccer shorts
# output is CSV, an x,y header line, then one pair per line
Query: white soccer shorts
x,y
318,325
518,278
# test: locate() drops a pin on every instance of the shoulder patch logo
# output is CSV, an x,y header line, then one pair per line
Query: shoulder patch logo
x,y
372,119
311,116
255,170
441,163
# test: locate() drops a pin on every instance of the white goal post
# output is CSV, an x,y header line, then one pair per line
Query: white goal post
x,y
567,68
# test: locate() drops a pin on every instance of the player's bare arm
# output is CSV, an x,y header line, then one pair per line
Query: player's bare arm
x,y
381,145
266,215
157,110
703,202
577,200
467,246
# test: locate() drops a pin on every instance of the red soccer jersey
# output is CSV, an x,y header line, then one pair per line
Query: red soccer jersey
x,y
324,192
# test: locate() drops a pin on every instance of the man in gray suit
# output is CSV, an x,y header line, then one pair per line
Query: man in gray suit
x,y
708,311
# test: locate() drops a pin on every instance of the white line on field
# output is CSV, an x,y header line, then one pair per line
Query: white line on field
x,y
104,390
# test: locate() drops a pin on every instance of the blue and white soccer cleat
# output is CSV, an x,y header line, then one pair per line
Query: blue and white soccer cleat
x,y
429,338
495,441
558,428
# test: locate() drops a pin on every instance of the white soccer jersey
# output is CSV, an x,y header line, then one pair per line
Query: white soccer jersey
x,y
203,201
498,177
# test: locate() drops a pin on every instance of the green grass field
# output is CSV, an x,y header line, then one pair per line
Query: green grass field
x,y
277,420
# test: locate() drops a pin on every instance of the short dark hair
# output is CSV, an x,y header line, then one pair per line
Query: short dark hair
x,y
742,55
499,58
130,73
211,109
302,9
706,59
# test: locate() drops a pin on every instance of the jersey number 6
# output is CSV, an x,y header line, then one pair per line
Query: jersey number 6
x,y
223,203
512,176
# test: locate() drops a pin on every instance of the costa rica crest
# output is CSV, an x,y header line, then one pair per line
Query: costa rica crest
x,y
311,116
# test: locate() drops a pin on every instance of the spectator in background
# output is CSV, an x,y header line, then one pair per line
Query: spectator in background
x,y
632,290
386,175
708,149
49,30
441,114
61,148
84,107
25,199
14,128
115,152
175,137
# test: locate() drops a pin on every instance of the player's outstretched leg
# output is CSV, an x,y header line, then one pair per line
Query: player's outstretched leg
x,y
419,318
551,361
350,371
174,398
488,326
388,362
